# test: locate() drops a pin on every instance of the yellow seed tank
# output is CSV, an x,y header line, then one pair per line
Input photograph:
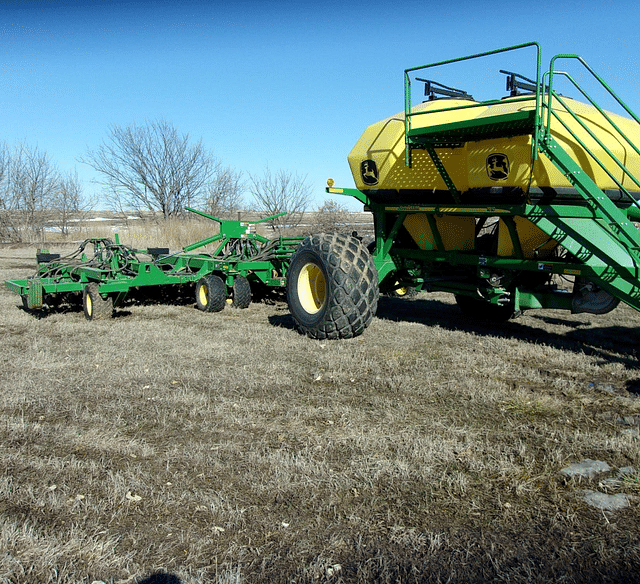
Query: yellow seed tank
x,y
496,167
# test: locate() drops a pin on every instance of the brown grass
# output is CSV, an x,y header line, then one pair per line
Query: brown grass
x,y
170,445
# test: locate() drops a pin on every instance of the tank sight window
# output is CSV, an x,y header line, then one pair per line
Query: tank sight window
x,y
434,89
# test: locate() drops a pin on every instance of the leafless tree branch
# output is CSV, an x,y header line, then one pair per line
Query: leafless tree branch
x,y
152,168
225,192
280,192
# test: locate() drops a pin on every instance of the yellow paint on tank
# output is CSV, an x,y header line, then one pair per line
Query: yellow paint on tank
x,y
546,173
383,143
457,233
518,154
467,164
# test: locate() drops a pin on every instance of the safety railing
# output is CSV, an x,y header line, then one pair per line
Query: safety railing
x,y
550,112
409,115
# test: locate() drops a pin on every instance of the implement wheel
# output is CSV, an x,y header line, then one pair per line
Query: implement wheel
x,y
401,291
332,286
404,291
95,307
479,309
211,293
241,292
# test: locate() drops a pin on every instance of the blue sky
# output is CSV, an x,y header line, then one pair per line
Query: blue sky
x,y
289,85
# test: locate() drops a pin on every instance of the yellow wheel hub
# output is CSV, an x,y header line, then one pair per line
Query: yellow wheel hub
x,y
202,294
89,303
312,291
402,291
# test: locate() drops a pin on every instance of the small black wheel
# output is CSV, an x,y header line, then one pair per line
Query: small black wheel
x,y
480,309
332,286
95,306
211,293
240,292
397,291
404,292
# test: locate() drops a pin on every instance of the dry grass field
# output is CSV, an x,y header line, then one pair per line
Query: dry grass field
x,y
171,445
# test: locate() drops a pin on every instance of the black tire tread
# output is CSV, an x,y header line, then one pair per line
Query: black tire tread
x,y
352,286
410,292
216,293
101,308
241,292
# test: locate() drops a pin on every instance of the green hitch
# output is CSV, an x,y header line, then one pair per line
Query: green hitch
x,y
269,218
202,214
228,230
201,243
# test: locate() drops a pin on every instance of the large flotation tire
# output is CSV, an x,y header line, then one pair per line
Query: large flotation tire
x,y
332,286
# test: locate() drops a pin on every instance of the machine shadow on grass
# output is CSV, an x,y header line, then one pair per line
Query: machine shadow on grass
x,y
611,343
604,342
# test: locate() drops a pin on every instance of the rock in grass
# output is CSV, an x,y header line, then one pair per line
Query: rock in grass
x,y
606,502
586,469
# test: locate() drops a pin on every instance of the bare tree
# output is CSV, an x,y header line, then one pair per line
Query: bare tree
x,y
29,181
224,192
4,166
332,216
280,192
152,167
8,223
34,195
67,202
35,178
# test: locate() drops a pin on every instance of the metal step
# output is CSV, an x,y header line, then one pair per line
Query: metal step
x,y
609,246
519,123
591,192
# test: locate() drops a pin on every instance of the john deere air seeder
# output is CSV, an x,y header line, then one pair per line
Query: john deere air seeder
x,y
521,202
499,202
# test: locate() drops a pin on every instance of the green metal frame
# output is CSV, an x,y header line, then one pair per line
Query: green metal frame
x,y
506,125
118,269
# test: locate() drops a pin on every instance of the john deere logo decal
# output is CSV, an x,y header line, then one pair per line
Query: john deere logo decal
x,y
497,166
369,172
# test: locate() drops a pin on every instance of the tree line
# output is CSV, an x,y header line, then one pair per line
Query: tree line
x,y
34,193
144,168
